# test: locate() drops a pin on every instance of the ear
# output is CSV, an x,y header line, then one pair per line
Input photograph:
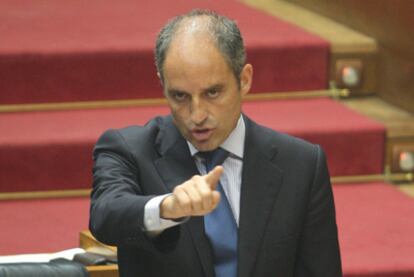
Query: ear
x,y
246,77
159,78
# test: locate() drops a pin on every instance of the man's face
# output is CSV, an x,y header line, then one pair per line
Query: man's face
x,y
202,92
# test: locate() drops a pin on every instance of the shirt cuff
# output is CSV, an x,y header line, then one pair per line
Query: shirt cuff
x,y
152,220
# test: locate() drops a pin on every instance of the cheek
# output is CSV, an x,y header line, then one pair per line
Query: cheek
x,y
179,119
176,111
224,118
230,117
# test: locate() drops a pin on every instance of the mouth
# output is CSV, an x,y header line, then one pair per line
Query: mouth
x,y
201,135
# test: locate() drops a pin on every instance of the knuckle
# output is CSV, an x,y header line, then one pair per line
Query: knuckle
x,y
186,206
185,203
202,185
178,189
197,200
205,194
195,178
197,182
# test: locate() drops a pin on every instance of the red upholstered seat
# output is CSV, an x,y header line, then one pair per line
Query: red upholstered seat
x,y
43,225
375,228
101,49
53,150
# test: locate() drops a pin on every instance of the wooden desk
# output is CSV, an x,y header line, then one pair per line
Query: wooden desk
x,y
88,242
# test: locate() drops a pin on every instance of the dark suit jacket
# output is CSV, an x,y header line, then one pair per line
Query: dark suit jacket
x,y
287,218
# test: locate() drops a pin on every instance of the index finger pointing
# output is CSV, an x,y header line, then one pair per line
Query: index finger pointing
x,y
213,177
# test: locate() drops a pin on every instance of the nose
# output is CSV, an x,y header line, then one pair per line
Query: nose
x,y
198,112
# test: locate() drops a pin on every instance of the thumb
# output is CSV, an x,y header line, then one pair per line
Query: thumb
x,y
213,177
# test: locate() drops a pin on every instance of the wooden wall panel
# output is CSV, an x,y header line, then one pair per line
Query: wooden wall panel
x,y
391,23
397,77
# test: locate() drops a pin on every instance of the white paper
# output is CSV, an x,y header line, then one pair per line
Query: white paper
x,y
41,258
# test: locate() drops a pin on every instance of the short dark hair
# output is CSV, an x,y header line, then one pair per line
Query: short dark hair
x,y
224,32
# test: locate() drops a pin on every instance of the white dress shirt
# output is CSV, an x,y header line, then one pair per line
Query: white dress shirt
x,y
230,180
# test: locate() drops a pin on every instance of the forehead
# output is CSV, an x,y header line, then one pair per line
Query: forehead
x,y
197,50
193,59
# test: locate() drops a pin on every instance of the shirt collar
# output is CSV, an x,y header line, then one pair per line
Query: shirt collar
x,y
234,142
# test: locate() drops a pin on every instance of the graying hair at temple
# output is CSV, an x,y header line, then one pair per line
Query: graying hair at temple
x,y
224,32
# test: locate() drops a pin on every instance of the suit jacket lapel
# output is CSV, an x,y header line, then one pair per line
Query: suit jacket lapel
x,y
175,165
261,182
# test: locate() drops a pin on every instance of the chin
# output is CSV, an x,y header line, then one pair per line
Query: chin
x,y
204,146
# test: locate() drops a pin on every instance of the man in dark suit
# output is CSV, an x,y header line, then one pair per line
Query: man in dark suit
x,y
162,196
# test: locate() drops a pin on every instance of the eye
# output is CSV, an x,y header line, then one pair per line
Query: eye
x,y
213,93
179,96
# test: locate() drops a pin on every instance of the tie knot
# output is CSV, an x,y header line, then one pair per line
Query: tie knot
x,y
214,158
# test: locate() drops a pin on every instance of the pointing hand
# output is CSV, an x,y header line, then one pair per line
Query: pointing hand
x,y
195,197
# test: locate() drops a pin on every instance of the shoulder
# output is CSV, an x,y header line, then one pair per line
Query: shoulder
x,y
288,149
277,139
301,161
133,138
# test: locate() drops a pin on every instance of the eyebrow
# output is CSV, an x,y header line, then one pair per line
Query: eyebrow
x,y
172,91
214,87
